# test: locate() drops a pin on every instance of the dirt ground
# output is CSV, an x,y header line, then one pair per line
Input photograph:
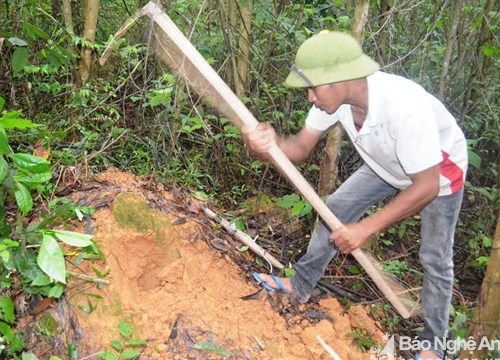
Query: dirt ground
x,y
183,296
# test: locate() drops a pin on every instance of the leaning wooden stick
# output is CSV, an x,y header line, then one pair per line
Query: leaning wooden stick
x,y
241,236
180,55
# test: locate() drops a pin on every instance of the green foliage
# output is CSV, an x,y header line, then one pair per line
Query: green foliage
x,y
211,347
457,328
400,229
13,342
137,116
126,347
355,269
288,272
33,252
384,313
297,206
362,341
480,246
22,174
396,267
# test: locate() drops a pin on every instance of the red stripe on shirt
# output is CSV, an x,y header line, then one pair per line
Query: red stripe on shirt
x,y
452,172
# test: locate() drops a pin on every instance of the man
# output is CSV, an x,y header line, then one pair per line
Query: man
x,y
412,149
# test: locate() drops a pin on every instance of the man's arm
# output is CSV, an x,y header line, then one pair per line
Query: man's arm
x,y
297,148
424,188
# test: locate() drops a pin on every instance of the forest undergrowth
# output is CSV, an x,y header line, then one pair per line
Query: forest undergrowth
x,y
59,127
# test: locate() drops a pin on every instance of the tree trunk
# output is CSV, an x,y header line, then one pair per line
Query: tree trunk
x,y
450,44
329,166
243,62
486,321
360,18
68,23
91,12
231,72
383,40
240,18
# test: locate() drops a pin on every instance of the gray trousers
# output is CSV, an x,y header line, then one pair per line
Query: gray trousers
x,y
349,203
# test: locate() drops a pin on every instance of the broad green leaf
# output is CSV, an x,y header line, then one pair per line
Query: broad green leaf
x,y
30,163
72,352
482,261
11,114
306,209
487,241
116,344
99,273
459,320
297,208
10,243
125,329
208,346
15,343
79,214
17,42
55,358
33,179
5,256
4,142
489,49
136,342
354,270
23,198
51,259
35,32
85,209
200,195
17,123
108,355
4,168
486,192
7,310
288,201
130,354
2,103
474,159
56,291
240,224
289,272
28,356
20,59
41,280
73,238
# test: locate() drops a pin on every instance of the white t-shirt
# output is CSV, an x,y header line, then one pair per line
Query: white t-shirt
x,y
407,130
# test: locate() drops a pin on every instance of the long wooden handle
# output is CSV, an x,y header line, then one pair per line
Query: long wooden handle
x,y
240,115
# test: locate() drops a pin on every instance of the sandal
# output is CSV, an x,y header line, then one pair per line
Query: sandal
x,y
268,287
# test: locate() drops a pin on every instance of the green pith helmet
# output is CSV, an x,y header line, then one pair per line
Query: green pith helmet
x,y
329,57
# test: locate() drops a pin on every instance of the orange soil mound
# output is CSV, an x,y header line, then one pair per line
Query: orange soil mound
x,y
178,293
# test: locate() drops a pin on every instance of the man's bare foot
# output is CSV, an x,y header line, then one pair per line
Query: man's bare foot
x,y
274,282
428,355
